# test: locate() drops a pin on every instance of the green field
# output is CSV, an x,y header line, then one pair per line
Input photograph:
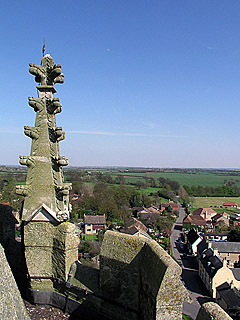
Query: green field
x,y
89,237
191,179
206,202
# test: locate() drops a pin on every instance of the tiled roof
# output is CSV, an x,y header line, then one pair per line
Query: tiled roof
x,y
202,246
192,236
210,262
134,230
137,208
227,247
135,222
230,296
173,205
195,219
148,217
236,273
152,206
230,204
203,210
94,219
152,209
215,234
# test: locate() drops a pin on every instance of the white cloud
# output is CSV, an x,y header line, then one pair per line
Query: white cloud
x,y
211,48
107,133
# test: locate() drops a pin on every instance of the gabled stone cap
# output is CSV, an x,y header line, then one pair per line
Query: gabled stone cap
x,y
43,213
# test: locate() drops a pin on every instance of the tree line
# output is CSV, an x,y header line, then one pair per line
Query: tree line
x,y
228,190
112,200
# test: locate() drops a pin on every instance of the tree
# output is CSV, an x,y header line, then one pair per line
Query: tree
x,y
234,235
9,194
86,247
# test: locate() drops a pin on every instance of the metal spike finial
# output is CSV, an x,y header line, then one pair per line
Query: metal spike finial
x,y
43,49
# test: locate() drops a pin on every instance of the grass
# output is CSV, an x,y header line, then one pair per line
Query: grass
x,y
147,190
183,178
186,317
89,237
206,202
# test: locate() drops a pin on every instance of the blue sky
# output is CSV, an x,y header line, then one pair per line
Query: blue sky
x,y
152,83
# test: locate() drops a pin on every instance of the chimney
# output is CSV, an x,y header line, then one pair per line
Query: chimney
x,y
224,263
215,251
232,284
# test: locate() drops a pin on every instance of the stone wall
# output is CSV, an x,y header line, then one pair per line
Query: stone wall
x,y
137,280
212,311
65,250
11,304
50,251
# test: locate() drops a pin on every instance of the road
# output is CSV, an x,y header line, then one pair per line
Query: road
x,y
190,277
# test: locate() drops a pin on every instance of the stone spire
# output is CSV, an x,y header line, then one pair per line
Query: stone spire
x,y
46,195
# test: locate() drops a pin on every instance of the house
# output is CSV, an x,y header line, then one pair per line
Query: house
x,y
134,222
173,205
144,210
135,227
224,217
194,221
213,271
201,247
228,297
227,250
205,213
230,204
212,236
163,206
153,209
135,210
93,224
193,239
148,217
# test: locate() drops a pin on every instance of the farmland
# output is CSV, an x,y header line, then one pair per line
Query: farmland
x,y
206,202
203,178
189,179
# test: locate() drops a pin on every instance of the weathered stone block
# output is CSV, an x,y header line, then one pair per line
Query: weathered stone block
x,y
39,261
139,275
119,273
64,237
65,249
212,311
11,304
38,234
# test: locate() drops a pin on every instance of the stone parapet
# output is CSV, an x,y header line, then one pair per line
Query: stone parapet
x,y
137,274
11,304
210,311
50,251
